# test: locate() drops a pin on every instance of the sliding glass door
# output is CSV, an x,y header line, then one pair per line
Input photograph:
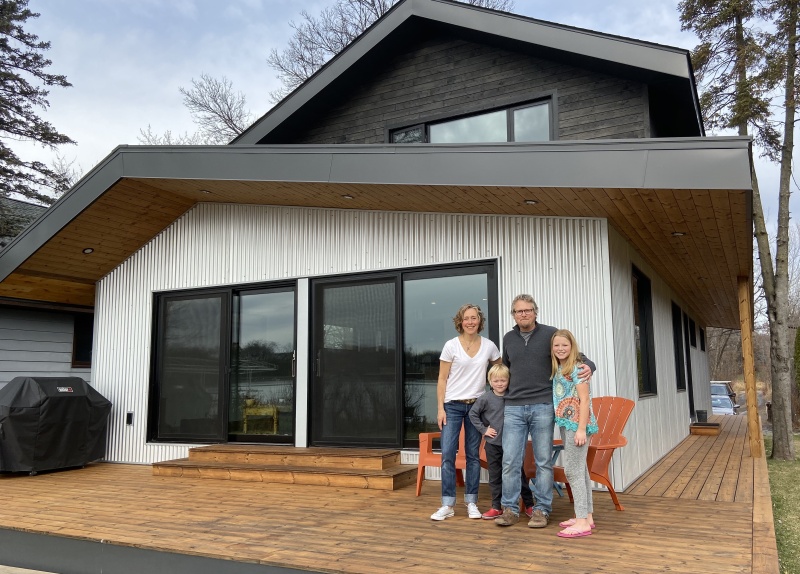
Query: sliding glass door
x,y
355,396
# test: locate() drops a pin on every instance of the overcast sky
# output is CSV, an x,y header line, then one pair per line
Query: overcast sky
x,y
126,60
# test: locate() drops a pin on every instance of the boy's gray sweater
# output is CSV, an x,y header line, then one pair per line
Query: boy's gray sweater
x,y
488,412
531,366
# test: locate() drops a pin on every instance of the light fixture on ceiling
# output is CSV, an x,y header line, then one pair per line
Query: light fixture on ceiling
x,y
205,191
88,250
531,202
678,234
347,196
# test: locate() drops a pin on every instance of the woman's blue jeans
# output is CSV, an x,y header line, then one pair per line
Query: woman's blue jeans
x,y
458,415
520,421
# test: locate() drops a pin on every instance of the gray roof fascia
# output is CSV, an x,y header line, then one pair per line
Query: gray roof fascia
x,y
667,163
627,51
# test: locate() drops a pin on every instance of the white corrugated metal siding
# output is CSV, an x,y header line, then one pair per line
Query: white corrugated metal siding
x,y
562,262
658,422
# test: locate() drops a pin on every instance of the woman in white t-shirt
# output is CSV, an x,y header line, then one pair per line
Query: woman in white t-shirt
x,y
462,379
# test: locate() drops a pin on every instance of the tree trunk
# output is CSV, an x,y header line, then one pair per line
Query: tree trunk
x,y
780,355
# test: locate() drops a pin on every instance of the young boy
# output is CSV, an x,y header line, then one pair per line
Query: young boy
x,y
487,416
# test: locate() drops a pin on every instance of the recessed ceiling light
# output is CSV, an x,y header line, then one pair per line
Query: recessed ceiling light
x,y
88,250
204,191
531,202
347,196
678,234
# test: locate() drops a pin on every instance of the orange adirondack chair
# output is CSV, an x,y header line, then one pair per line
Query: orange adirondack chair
x,y
612,415
429,458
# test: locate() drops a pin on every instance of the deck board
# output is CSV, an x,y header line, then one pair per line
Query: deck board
x,y
353,531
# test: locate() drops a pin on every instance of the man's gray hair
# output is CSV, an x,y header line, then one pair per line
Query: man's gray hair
x,y
528,299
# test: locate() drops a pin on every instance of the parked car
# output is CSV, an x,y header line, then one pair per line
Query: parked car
x,y
723,388
723,405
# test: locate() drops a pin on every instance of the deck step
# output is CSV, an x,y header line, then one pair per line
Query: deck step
x,y
364,458
343,467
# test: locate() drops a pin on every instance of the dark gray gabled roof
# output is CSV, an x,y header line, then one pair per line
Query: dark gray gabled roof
x,y
613,52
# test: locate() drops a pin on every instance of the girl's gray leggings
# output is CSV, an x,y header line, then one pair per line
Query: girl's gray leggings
x,y
574,458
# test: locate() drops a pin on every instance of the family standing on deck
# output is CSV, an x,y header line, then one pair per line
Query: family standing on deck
x,y
540,380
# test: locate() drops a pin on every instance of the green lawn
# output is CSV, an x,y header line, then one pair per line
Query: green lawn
x,y
784,482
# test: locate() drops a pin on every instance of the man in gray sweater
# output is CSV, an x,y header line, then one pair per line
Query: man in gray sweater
x,y
529,411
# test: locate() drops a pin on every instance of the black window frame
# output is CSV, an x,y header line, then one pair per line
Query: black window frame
x,y
692,333
546,100
647,383
702,339
82,340
677,342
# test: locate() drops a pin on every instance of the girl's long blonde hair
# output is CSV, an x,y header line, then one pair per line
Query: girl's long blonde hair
x,y
572,360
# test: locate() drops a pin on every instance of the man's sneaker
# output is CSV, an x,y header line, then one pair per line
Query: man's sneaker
x,y
492,514
507,519
442,513
472,510
539,519
529,511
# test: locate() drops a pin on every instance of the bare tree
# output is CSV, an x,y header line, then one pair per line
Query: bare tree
x,y
149,137
317,39
219,112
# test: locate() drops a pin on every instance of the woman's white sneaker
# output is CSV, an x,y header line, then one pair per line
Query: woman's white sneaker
x,y
472,510
444,512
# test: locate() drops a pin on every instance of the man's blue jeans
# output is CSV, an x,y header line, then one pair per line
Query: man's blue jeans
x,y
458,415
520,421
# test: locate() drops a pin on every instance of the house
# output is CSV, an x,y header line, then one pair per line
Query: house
x,y
45,340
297,285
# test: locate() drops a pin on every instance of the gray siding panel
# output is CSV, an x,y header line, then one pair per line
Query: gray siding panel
x,y
36,343
447,77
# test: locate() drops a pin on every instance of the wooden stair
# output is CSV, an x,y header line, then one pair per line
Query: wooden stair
x,y
344,467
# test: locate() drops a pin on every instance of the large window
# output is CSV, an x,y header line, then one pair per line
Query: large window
x,y
525,123
643,332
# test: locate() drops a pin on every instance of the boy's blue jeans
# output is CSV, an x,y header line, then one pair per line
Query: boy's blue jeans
x,y
520,421
458,415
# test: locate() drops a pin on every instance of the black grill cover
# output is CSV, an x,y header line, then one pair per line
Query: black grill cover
x,y
48,423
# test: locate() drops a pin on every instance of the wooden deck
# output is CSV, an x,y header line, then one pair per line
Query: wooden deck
x,y
704,508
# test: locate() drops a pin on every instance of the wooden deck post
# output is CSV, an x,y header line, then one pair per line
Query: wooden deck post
x,y
746,324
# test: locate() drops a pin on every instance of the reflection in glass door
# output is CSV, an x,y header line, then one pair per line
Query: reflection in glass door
x,y
261,404
430,301
355,384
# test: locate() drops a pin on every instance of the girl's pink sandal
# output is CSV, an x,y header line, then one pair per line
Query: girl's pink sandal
x,y
570,533
570,522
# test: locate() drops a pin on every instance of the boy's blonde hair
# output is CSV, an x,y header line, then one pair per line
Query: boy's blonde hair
x,y
572,359
498,370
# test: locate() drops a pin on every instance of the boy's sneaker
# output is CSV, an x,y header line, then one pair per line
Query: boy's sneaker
x,y
539,519
442,513
529,511
472,510
507,519
492,514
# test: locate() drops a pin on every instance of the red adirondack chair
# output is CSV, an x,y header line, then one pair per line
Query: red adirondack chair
x,y
429,458
612,414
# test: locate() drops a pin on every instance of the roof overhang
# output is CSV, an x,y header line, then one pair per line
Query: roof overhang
x,y
616,53
684,204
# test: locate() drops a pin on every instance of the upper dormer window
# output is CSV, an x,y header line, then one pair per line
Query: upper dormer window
x,y
524,123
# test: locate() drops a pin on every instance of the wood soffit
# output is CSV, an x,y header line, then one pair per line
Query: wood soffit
x,y
702,265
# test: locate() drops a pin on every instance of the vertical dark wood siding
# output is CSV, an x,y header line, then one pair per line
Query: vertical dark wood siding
x,y
446,77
